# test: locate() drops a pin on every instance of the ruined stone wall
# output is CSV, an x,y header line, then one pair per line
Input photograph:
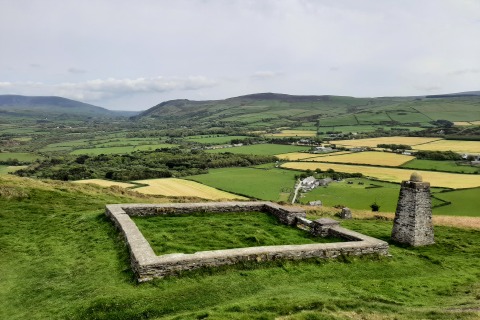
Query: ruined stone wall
x,y
147,265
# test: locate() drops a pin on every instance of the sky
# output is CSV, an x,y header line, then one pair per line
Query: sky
x,y
132,55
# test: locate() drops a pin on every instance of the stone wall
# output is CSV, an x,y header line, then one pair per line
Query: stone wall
x,y
147,265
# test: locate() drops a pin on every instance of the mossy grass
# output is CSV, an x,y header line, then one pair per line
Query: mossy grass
x,y
62,259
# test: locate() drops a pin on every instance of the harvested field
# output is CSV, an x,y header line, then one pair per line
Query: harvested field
x,y
293,156
477,123
451,145
106,183
368,157
293,133
172,187
436,179
462,123
373,142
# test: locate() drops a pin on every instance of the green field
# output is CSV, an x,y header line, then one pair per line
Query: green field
x,y
65,260
385,194
274,184
119,150
464,203
190,233
211,139
261,149
433,165
8,169
20,156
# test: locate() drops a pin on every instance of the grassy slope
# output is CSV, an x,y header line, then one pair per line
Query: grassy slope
x,y
62,259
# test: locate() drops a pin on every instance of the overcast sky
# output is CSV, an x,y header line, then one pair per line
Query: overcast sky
x,y
132,55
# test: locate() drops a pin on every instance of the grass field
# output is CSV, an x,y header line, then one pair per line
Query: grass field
x,y
20,156
447,166
105,183
464,203
264,184
373,142
451,145
293,133
120,150
172,187
436,179
66,261
262,149
363,192
8,169
367,157
190,233
213,139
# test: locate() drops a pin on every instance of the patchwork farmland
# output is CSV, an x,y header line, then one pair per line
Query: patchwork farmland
x,y
436,179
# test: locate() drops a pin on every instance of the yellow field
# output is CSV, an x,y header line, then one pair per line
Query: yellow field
x,y
293,133
372,142
462,123
172,187
105,183
477,123
293,156
452,145
436,179
368,157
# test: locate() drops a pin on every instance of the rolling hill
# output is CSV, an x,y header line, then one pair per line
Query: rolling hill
x,y
51,106
270,109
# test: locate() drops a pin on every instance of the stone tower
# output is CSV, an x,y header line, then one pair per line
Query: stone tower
x,y
413,217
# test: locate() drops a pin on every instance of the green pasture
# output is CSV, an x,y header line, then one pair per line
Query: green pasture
x,y
213,139
458,109
120,150
463,203
385,194
356,196
264,184
20,156
65,260
261,149
434,165
190,233
341,120
8,169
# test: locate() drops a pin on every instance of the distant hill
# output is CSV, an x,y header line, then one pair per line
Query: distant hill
x,y
51,106
274,110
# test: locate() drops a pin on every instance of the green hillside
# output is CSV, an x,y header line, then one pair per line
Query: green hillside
x,y
324,111
51,106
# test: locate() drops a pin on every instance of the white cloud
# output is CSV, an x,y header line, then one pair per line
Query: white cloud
x,y
95,90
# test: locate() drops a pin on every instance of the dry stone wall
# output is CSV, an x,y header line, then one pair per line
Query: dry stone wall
x,y
147,265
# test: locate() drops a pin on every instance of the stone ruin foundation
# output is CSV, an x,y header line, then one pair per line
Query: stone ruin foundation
x,y
147,265
413,218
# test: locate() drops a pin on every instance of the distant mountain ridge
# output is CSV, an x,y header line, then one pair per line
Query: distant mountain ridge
x,y
52,105
295,110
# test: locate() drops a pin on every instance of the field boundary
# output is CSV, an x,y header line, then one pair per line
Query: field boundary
x,y
147,265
